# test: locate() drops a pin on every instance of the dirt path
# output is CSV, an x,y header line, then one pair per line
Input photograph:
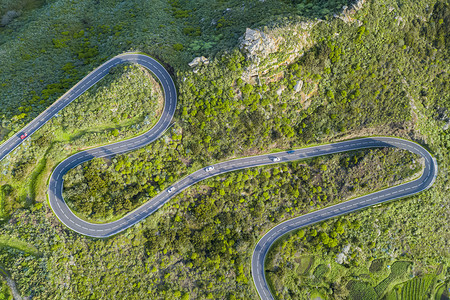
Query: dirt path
x,y
10,283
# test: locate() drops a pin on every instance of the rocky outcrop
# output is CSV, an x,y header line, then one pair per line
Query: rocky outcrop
x,y
358,5
260,46
347,14
446,125
256,44
201,60
342,257
280,90
298,86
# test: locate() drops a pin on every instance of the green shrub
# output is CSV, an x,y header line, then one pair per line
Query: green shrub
x,y
178,47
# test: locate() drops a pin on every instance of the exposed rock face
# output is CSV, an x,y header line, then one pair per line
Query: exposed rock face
x,y
196,61
251,71
259,46
358,5
347,14
298,86
346,249
280,90
256,44
342,257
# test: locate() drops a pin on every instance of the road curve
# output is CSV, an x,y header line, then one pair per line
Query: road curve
x,y
54,191
66,216
424,182
55,187
87,82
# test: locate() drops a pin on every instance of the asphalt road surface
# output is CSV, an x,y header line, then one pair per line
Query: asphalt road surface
x,y
425,181
66,216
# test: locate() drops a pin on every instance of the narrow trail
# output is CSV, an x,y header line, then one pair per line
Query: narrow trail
x,y
11,283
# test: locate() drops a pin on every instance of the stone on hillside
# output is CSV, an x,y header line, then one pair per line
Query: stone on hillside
x,y
298,86
359,4
340,258
259,46
347,14
280,91
346,249
196,61
255,43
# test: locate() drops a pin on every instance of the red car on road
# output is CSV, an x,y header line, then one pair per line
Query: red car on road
x,y
23,135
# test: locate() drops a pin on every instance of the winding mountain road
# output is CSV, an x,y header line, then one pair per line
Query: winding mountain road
x,y
66,216
424,182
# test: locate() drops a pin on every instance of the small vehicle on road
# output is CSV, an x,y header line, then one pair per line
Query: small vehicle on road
x,y
276,159
23,136
290,151
171,189
209,169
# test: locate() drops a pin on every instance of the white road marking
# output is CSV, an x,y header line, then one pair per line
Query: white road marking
x,y
103,70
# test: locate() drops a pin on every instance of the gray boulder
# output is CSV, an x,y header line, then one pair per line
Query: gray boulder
x,y
298,86
197,61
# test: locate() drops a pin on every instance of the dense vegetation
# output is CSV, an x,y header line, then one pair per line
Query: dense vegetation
x,y
410,231
204,236
123,104
380,70
102,189
376,255
39,46
5,293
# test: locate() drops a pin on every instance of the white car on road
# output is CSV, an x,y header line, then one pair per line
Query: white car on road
x,y
276,159
209,169
171,189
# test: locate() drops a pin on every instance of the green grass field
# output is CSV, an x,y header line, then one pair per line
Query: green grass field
x,y
361,290
417,288
399,272
304,264
11,242
442,292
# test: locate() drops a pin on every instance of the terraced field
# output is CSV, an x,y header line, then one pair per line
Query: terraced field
x,y
399,270
442,292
